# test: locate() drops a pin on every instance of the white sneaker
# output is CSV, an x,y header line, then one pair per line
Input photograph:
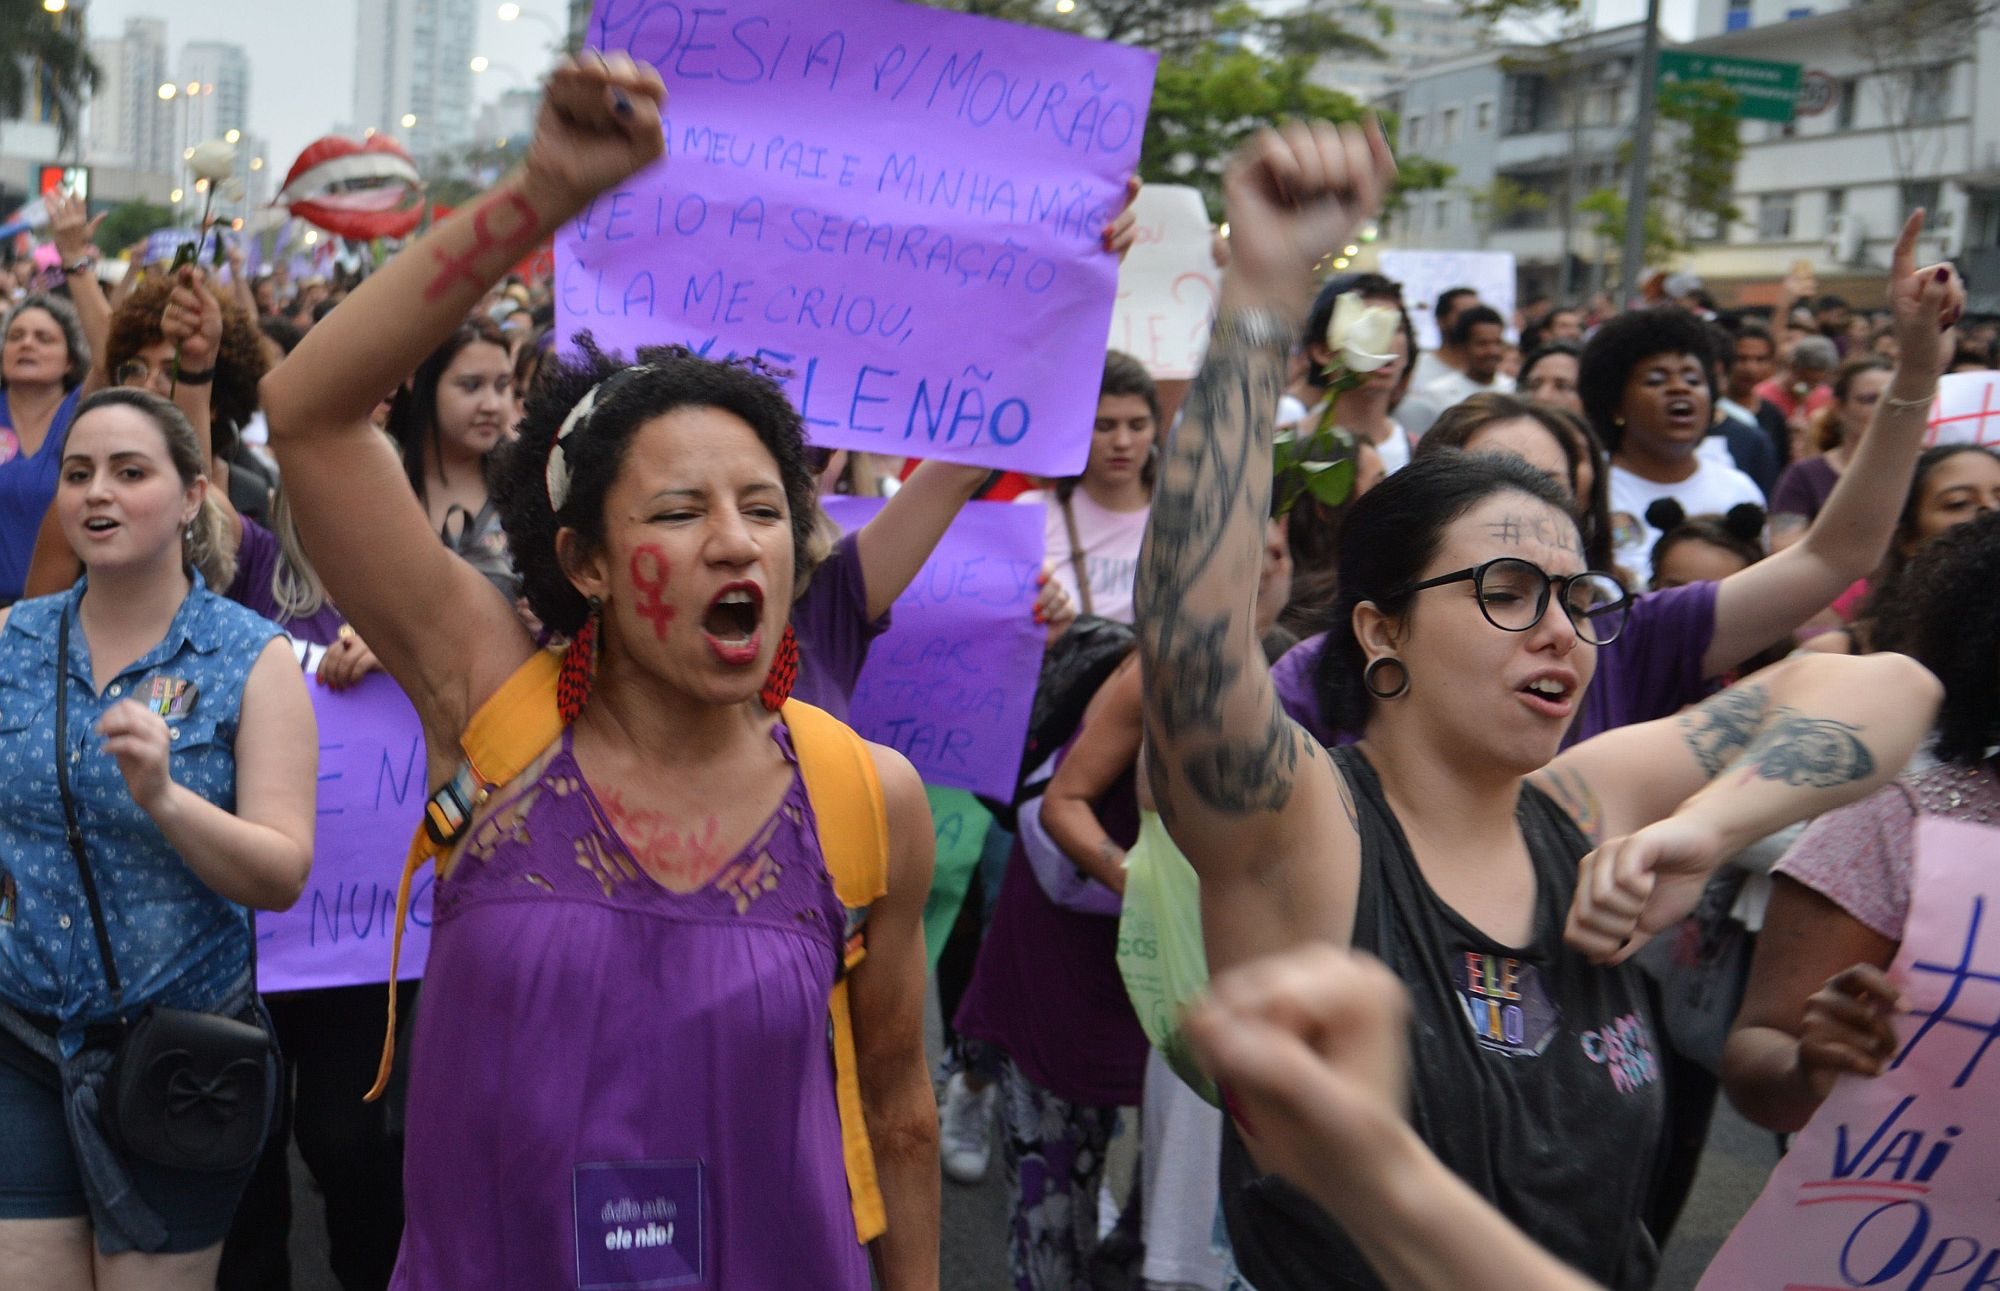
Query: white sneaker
x,y
965,1130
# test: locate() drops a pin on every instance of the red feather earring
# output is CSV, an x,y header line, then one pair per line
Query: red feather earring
x,y
579,666
784,673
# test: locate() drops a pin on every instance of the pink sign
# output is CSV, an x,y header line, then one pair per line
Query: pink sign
x,y
371,798
1894,1182
899,206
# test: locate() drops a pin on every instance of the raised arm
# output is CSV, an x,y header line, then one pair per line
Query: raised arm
x,y
367,535
1768,601
1246,793
71,229
896,543
1679,796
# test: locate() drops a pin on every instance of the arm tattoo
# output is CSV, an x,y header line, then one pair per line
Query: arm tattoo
x,y
1811,752
515,238
1574,795
1193,680
1241,776
1721,727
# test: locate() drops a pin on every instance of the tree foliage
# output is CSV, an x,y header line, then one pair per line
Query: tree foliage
x,y
1697,143
44,54
130,222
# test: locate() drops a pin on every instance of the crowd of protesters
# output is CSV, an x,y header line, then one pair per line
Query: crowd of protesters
x,y
1444,755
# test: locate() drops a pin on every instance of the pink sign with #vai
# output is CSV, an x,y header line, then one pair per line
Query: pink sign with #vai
x,y
1894,1182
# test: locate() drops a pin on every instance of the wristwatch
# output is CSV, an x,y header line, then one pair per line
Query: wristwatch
x,y
79,266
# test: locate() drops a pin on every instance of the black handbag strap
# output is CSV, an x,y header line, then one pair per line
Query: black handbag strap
x,y
70,829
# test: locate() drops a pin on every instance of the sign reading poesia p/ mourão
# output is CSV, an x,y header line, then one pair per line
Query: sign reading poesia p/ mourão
x,y
901,207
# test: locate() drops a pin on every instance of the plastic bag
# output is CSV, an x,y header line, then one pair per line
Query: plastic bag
x,y
1160,951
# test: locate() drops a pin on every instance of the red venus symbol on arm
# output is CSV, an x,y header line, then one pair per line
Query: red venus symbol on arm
x,y
649,578
484,241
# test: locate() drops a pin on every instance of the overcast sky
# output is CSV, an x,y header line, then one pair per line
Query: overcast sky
x,y
302,54
302,51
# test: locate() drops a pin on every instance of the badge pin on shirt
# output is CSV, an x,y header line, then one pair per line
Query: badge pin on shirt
x,y
173,697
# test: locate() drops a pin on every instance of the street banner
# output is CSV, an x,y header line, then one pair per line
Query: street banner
x,y
1892,1182
951,684
900,207
1168,285
371,799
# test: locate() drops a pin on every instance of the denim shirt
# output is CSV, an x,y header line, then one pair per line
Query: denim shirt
x,y
176,942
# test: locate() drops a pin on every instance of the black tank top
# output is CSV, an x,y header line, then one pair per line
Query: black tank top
x,y
1535,1074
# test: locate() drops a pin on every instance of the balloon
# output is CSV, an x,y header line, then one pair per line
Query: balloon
x,y
359,191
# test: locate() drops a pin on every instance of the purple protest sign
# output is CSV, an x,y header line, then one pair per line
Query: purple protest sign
x,y
898,205
371,798
951,684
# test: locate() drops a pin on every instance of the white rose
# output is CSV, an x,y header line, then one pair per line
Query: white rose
x,y
213,161
1362,334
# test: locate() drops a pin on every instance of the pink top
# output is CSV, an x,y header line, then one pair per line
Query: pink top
x,y
1860,856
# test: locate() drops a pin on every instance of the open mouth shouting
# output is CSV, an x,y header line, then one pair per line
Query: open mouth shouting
x,y
1683,413
1551,693
733,624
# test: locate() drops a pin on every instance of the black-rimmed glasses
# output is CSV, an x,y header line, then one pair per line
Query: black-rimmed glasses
x,y
1513,594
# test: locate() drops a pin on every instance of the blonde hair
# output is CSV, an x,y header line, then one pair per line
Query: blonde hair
x,y
295,586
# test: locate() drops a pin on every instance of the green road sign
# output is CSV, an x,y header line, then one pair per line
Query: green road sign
x,y
1764,91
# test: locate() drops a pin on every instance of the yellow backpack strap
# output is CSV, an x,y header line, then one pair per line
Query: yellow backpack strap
x,y
846,796
510,730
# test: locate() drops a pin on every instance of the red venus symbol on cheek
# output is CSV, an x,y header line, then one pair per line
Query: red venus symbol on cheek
x,y
649,577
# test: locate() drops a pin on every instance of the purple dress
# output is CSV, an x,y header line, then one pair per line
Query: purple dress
x,y
614,1085
1046,989
1652,670
257,558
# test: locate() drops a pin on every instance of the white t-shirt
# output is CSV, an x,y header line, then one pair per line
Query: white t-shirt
x,y
1429,368
1110,541
1711,490
1181,1153
1455,387
1395,450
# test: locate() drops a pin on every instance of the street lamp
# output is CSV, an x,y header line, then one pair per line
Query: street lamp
x,y
256,163
409,120
168,90
176,196
232,135
480,63
55,6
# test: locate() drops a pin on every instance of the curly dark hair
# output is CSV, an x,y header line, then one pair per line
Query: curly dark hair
x,y
1886,584
667,378
1618,347
1946,615
239,363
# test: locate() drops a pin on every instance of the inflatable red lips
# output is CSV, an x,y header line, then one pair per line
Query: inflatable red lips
x,y
358,191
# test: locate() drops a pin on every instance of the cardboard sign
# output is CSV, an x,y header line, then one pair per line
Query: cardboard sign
x,y
951,684
1892,1184
371,797
1168,285
899,206
1426,275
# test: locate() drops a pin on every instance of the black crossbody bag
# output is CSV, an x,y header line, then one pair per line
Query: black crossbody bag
x,y
187,1090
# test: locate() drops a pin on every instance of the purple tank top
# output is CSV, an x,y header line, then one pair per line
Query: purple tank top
x,y
615,1085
